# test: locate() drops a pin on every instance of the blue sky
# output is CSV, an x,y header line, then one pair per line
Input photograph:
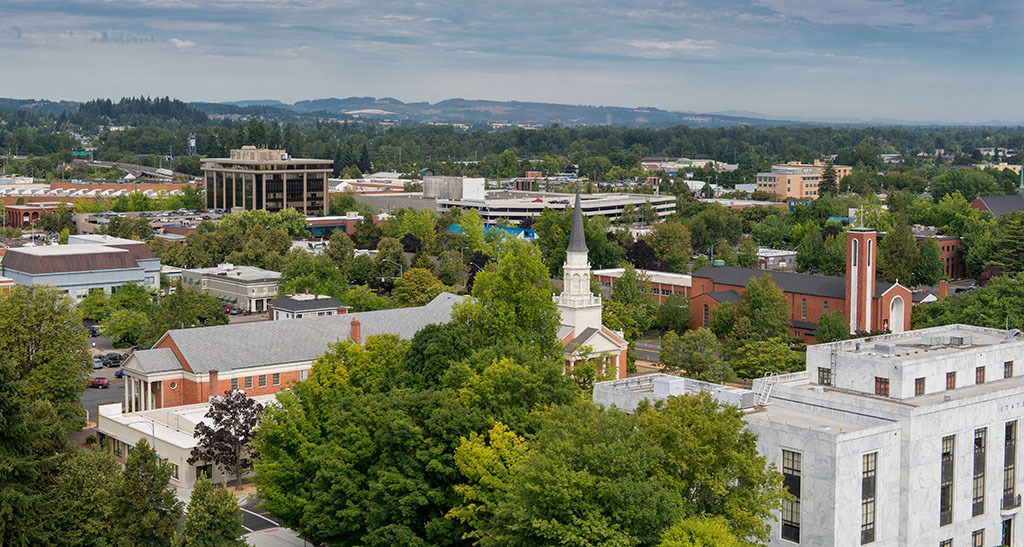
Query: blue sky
x,y
930,60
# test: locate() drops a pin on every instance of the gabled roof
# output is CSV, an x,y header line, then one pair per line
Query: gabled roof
x,y
796,283
67,258
726,296
265,343
305,302
155,360
1000,205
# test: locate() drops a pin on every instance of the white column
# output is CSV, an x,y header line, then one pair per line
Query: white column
x,y
149,395
127,380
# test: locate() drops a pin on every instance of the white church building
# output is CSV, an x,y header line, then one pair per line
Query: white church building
x,y
582,333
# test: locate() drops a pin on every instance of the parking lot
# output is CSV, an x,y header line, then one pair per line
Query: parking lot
x,y
112,394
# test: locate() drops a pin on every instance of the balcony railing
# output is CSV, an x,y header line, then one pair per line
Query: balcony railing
x,y
1011,501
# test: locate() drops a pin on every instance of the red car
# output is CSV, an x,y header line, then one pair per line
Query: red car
x,y
99,382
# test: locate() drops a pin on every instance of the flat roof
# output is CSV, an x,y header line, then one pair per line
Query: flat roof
x,y
666,278
244,273
804,420
65,250
923,344
105,239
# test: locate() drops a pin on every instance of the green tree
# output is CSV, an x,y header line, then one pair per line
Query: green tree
x,y
314,274
416,288
996,305
754,358
832,326
632,291
58,220
212,519
897,254
762,313
361,271
185,308
713,224
341,251
928,269
513,302
829,183
81,492
31,441
810,252
390,260
833,258
700,532
508,165
671,243
125,326
673,313
697,354
1010,255
143,508
41,334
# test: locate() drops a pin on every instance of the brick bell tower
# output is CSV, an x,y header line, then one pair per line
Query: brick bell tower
x,y
860,278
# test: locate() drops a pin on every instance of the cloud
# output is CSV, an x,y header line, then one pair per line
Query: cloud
x,y
182,44
17,31
120,37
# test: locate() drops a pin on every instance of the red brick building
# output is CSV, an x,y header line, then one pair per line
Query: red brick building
x,y
663,284
867,304
188,366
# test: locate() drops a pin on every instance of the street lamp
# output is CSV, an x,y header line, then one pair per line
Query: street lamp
x,y
152,426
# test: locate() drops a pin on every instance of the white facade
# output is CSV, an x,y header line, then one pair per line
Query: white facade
x,y
245,287
943,462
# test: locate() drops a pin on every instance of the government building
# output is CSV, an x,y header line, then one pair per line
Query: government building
x,y
899,440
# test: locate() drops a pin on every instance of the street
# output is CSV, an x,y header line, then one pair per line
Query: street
x,y
113,394
648,349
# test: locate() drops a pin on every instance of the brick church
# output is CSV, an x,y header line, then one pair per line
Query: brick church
x,y
867,304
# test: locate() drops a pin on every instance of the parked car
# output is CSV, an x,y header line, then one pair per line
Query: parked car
x,y
227,309
235,311
94,330
97,362
119,373
99,382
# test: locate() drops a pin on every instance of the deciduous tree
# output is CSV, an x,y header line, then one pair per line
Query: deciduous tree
x,y
144,510
234,418
212,519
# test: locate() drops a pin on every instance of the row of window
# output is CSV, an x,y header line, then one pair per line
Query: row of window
x,y
1009,500
882,384
791,474
275,379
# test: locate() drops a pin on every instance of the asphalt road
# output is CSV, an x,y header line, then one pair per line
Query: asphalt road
x,y
255,519
113,394
648,350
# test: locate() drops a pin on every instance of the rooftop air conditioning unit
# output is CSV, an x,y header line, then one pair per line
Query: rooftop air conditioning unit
x,y
885,349
956,340
931,341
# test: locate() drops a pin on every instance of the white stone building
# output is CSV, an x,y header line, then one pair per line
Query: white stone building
x,y
903,440
245,287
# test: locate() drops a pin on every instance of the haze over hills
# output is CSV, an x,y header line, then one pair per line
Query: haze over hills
x,y
474,112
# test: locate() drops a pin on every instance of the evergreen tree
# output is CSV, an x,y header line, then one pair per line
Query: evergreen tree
x,y
1010,243
832,326
897,254
829,183
213,519
928,268
144,510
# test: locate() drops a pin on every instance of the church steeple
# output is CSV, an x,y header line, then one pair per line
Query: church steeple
x,y
577,237
580,308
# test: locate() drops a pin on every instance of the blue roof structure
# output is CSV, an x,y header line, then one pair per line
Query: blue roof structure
x,y
517,233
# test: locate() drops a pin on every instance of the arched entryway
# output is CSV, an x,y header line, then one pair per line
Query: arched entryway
x,y
896,314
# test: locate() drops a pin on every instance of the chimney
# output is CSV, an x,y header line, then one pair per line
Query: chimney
x,y
213,383
270,312
943,289
356,333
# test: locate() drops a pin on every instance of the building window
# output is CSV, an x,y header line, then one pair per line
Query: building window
x,y
824,376
978,494
263,380
117,448
979,375
803,308
978,538
918,387
707,312
881,386
173,385
1008,369
826,305
791,509
248,382
951,380
867,498
276,378
303,374
871,243
946,543
946,481
1010,466
234,384
174,470
1007,532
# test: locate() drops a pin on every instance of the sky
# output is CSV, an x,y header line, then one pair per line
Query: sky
x,y
935,60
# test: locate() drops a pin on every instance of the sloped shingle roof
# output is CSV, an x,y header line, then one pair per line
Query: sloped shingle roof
x,y
796,283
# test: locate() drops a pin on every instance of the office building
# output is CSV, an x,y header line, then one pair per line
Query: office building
x,y
797,180
258,178
297,306
662,284
902,440
245,287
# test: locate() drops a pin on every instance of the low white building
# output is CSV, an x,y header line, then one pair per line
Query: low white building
x,y
903,440
171,431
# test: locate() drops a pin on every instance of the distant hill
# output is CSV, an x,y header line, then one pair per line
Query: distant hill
x,y
517,113
41,106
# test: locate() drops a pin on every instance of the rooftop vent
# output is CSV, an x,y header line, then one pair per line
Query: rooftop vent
x,y
931,341
960,340
885,349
